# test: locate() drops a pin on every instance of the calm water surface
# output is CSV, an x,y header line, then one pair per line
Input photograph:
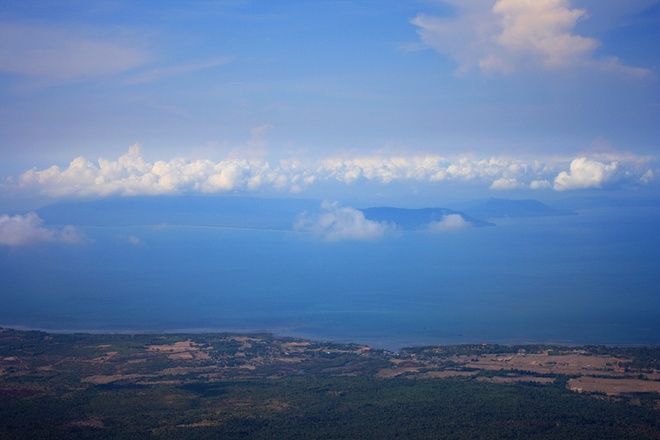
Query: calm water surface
x,y
587,279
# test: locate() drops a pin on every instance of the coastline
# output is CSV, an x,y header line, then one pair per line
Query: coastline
x,y
392,346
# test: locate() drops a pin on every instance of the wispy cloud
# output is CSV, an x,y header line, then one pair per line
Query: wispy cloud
x,y
155,74
131,239
21,230
337,223
131,174
59,55
508,35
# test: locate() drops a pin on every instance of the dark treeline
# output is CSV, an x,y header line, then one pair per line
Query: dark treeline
x,y
314,407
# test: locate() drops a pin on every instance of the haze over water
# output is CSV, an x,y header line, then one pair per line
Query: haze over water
x,y
585,279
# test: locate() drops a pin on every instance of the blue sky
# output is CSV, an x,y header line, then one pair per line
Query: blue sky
x,y
334,106
323,97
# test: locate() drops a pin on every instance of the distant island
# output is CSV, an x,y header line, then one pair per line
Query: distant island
x,y
501,208
226,385
227,211
414,219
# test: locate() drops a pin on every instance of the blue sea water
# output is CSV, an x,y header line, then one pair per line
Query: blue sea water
x,y
588,279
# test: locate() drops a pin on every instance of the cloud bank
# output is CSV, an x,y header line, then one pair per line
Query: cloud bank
x,y
337,223
22,230
130,174
508,35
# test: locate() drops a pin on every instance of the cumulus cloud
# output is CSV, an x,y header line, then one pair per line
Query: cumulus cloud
x,y
507,35
505,184
586,174
450,222
540,184
542,30
429,168
337,223
21,230
131,174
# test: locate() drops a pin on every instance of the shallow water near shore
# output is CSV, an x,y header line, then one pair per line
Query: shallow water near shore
x,y
586,279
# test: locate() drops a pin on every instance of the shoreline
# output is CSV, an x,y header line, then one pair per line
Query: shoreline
x,y
392,346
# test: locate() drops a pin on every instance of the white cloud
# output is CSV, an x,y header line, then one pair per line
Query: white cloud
x,y
540,184
21,230
131,174
585,174
450,222
647,177
508,35
505,184
132,239
337,223
62,54
542,31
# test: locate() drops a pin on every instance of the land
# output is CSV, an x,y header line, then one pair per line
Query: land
x,y
227,212
501,208
263,386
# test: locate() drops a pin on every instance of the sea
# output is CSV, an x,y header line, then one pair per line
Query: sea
x,y
592,278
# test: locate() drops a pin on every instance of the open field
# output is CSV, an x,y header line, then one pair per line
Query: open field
x,y
105,359
204,383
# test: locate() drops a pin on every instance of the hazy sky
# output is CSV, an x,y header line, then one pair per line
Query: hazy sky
x,y
123,97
